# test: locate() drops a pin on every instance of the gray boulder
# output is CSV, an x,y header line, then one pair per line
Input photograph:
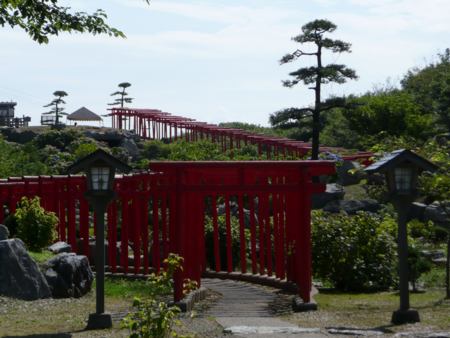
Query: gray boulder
x,y
4,232
130,146
435,212
344,177
334,192
352,206
68,275
20,276
60,247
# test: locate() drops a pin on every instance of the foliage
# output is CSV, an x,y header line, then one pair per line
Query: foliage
x,y
35,226
355,253
417,265
235,242
20,160
61,139
392,113
430,88
41,19
153,317
85,149
11,223
313,32
122,96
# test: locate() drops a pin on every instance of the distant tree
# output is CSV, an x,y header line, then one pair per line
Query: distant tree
x,y
56,109
121,96
387,113
430,87
313,32
41,19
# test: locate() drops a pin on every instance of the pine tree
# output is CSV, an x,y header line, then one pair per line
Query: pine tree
x,y
313,32
57,111
122,96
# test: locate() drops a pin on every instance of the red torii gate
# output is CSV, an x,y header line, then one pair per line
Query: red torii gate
x,y
155,124
165,211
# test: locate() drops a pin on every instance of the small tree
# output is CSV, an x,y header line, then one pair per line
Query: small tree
x,y
121,96
57,110
35,226
313,32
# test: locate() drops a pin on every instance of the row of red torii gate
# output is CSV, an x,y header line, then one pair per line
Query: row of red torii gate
x,y
263,206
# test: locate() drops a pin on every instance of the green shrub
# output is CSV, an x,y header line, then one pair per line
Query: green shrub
x,y
11,224
35,226
235,242
417,265
354,253
153,317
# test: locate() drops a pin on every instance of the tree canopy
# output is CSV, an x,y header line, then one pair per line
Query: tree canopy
x,y
44,18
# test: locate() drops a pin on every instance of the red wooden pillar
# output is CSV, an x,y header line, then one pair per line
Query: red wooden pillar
x,y
112,236
304,241
124,234
215,233
156,258
179,232
253,233
137,215
228,233
144,229
242,234
84,225
71,226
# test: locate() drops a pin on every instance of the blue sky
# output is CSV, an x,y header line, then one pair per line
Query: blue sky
x,y
216,60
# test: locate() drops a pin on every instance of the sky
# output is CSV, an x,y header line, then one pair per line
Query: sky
x,y
216,60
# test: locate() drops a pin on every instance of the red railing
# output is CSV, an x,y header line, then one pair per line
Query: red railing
x,y
265,207
155,124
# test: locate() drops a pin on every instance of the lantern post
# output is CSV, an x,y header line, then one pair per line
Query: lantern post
x,y
100,168
401,169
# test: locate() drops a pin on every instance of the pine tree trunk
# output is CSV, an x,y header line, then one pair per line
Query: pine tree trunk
x,y
316,113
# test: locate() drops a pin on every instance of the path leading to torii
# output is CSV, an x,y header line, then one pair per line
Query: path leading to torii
x,y
247,310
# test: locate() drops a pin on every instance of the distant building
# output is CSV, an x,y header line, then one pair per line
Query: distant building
x,y
7,118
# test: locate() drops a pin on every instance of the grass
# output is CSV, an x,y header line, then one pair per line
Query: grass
x,y
374,310
41,257
125,289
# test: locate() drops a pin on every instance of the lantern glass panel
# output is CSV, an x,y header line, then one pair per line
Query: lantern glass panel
x,y
403,180
100,178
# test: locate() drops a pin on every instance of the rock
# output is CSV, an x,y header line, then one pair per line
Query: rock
x,y
4,232
435,212
20,276
352,206
130,146
333,192
344,177
60,247
417,211
68,275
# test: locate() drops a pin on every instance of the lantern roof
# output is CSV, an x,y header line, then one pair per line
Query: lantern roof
x,y
98,156
399,157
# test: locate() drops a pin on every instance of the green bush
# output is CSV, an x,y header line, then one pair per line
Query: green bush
x,y
235,242
153,317
11,224
354,253
417,265
35,226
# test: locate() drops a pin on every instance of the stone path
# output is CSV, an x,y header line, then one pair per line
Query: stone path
x,y
247,310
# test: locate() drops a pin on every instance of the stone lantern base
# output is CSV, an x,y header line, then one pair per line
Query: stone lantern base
x,y
405,316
